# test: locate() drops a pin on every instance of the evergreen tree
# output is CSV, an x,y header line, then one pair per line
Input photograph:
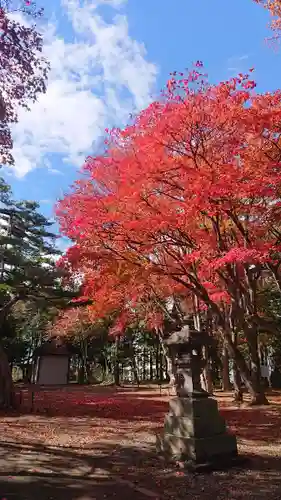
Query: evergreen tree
x,y
28,271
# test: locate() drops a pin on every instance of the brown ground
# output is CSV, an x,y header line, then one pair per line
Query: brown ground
x,y
95,443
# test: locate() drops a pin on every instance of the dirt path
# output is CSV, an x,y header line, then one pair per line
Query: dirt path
x,y
96,446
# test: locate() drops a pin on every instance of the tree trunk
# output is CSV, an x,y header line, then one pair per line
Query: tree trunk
x,y
7,390
116,374
206,378
84,361
135,371
105,368
157,356
151,375
256,397
161,367
170,364
144,361
88,372
134,365
226,384
81,374
171,372
237,383
259,398
116,371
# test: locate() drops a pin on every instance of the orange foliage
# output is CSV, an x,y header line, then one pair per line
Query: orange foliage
x,y
274,7
185,200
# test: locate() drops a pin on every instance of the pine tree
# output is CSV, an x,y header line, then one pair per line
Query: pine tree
x,y
28,270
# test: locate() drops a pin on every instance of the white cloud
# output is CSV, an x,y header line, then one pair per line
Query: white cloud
x,y
46,201
97,79
54,171
237,64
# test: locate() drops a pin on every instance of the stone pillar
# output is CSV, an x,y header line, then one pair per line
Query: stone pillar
x,y
194,431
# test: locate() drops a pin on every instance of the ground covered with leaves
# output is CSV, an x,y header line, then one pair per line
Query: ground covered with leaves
x,y
95,443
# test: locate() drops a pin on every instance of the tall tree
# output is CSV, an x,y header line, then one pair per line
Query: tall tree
x,y
189,194
23,70
28,271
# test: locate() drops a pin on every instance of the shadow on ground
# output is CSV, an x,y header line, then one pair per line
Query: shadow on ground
x,y
118,405
129,405
254,424
125,472
118,459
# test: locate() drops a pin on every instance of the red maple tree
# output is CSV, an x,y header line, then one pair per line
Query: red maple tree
x,y
274,7
187,194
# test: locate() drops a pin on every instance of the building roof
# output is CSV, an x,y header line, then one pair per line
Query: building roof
x,y
56,347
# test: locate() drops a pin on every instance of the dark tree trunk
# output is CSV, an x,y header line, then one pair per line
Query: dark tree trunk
x,y
116,370
81,374
88,367
135,370
116,374
226,385
157,356
105,368
237,383
144,362
151,375
7,390
134,364
256,396
161,367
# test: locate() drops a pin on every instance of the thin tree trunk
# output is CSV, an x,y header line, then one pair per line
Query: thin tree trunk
x,y
116,371
151,376
165,361
259,397
171,372
84,349
169,361
237,382
157,356
161,367
7,390
135,371
206,377
88,372
134,365
226,384
144,361
105,369
243,370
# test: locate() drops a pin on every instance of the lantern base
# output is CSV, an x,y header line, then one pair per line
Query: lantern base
x,y
194,431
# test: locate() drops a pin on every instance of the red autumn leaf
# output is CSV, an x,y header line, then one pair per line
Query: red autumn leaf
x,y
185,202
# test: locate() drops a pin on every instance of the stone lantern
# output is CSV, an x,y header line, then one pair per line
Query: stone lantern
x,y
194,431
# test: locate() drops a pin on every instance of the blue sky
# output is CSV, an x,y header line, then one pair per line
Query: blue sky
x,y
109,58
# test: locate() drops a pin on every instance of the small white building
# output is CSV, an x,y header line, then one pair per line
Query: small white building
x,y
51,362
